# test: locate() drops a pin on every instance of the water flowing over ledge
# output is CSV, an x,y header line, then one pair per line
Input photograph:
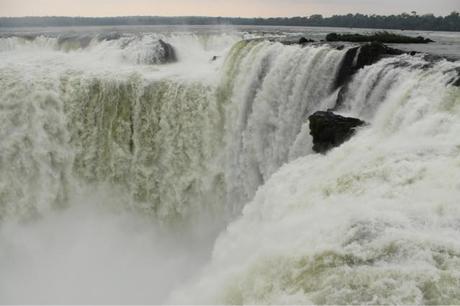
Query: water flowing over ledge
x,y
209,142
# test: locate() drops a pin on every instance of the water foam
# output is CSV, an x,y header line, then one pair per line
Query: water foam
x,y
374,221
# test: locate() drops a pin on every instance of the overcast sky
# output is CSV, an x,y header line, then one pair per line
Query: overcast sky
x,y
246,8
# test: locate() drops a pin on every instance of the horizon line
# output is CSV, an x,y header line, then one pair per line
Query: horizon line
x,y
210,16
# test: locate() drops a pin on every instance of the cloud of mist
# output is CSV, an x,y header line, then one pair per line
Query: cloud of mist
x,y
89,256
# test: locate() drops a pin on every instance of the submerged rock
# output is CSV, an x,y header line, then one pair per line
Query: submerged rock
x,y
109,36
330,130
74,42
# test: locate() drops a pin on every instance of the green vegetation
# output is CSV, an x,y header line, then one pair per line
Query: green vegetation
x,y
382,37
403,21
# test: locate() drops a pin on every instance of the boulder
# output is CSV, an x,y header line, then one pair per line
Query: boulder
x,y
330,130
304,40
167,53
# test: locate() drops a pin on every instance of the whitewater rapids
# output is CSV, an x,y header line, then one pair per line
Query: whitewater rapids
x,y
195,182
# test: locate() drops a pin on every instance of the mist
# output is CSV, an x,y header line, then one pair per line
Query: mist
x,y
88,254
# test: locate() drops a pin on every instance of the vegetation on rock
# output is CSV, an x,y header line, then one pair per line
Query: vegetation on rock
x,y
382,37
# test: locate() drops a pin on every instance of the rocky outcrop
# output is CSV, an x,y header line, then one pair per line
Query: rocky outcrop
x,y
290,41
382,37
330,130
358,57
304,40
456,80
109,36
167,53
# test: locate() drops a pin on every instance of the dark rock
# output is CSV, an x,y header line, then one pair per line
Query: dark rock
x,y
454,76
332,37
304,40
382,37
330,130
168,54
423,40
456,80
214,58
348,67
289,41
28,37
358,57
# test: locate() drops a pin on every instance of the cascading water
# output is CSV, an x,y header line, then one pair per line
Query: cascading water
x,y
273,90
374,222
118,174
147,134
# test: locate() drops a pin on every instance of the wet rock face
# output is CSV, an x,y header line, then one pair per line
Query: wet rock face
x,y
304,40
289,41
74,42
358,57
109,36
456,80
330,130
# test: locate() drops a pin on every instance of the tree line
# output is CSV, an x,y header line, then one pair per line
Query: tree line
x,y
403,21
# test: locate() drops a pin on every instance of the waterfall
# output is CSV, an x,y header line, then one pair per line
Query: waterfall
x,y
96,137
375,221
273,88
178,147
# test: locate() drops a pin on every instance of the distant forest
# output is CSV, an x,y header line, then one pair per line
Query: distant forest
x,y
403,21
